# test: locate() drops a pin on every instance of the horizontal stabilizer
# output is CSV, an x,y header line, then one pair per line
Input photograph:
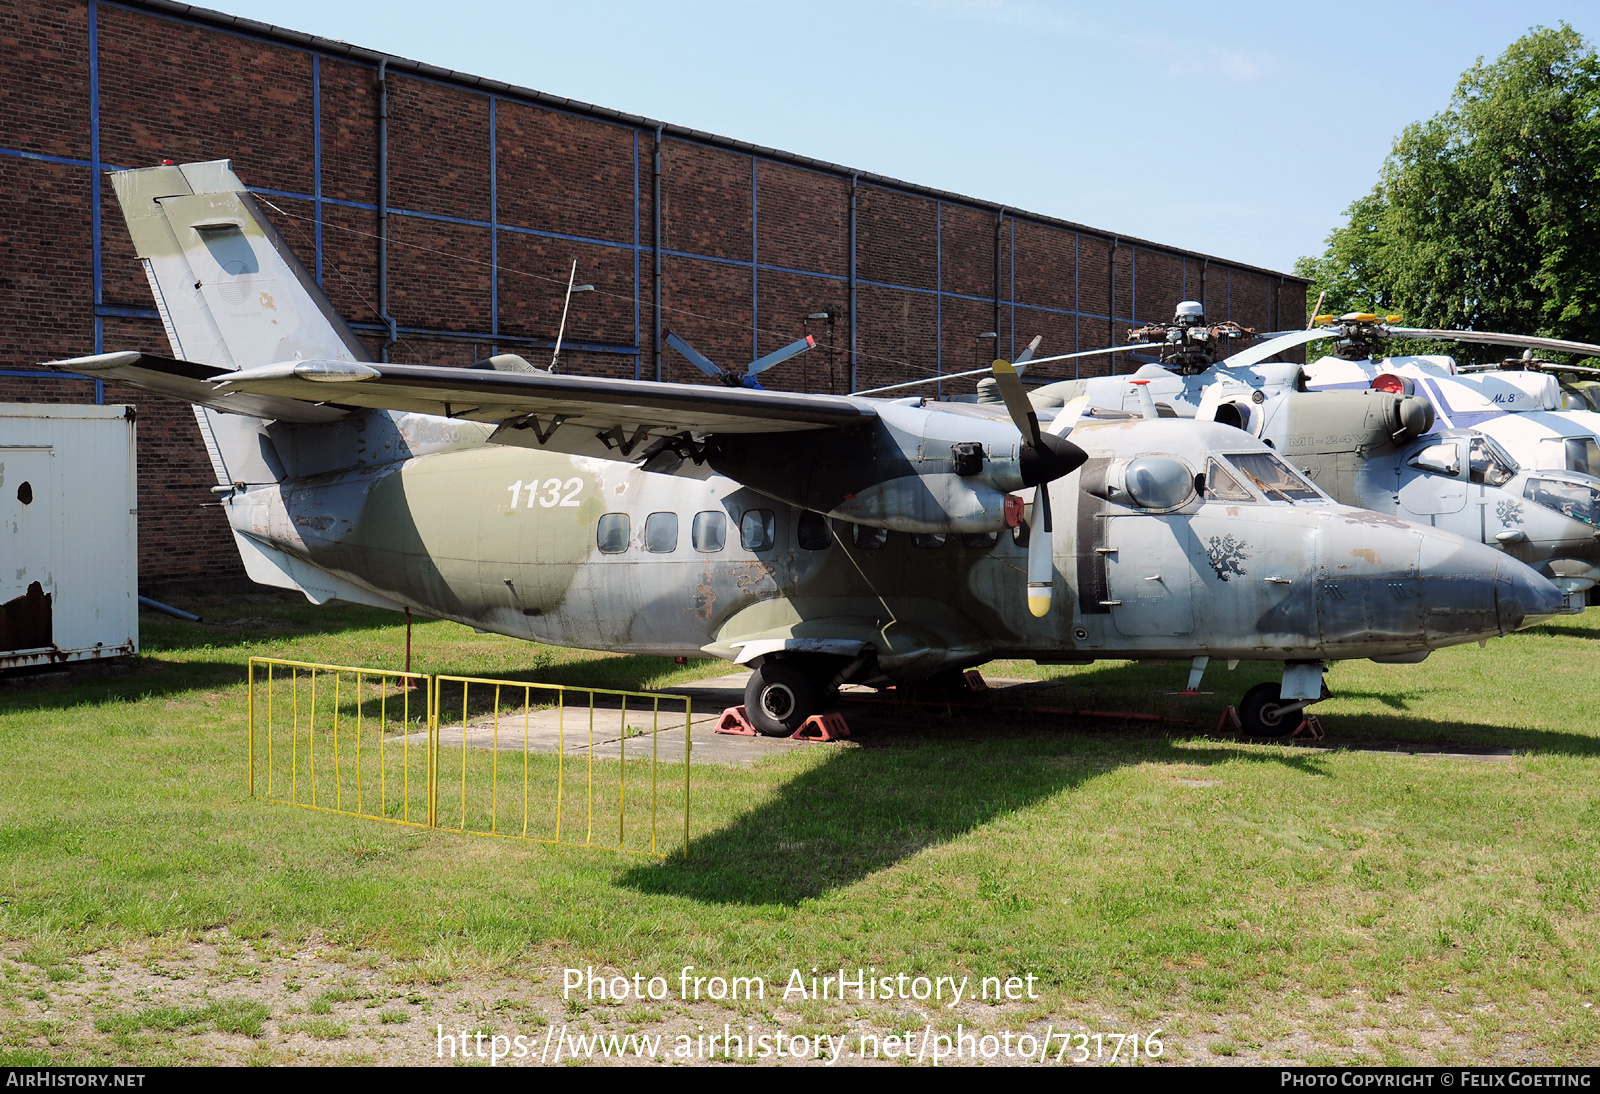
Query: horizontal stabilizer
x,y
194,384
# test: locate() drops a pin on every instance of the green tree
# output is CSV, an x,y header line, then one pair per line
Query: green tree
x,y
1486,215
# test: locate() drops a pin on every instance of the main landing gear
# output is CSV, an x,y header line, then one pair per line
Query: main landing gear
x,y
784,691
779,697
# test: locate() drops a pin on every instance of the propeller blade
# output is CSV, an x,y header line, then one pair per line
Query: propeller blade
x,y
695,357
1268,350
1490,338
777,356
1027,355
1017,404
1041,560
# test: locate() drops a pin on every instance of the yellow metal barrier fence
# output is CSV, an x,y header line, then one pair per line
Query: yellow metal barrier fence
x,y
346,740
516,744
522,760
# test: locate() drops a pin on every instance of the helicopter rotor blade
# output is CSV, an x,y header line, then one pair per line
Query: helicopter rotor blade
x,y
1492,338
1270,349
1027,355
778,356
695,357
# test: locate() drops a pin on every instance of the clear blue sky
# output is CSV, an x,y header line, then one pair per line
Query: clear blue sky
x,y
1238,129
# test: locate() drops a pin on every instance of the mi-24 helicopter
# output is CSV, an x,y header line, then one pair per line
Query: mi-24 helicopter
x,y
1489,456
819,539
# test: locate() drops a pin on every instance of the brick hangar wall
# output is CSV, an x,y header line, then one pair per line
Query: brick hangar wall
x,y
493,194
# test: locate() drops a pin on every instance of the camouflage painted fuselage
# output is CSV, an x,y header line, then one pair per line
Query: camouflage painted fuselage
x,y
506,539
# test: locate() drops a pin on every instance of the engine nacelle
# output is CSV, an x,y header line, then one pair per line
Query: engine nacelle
x,y
916,468
927,503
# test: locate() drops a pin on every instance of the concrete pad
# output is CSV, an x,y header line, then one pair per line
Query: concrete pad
x,y
612,732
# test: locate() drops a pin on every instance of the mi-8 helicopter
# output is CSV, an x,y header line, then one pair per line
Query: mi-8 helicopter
x,y
819,539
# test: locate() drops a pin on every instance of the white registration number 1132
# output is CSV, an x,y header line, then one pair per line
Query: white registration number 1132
x,y
550,493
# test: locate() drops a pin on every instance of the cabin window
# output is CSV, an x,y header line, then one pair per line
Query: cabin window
x,y
709,532
1222,486
980,540
812,531
1583,455
927,540
868,539
661,533
613,533
756,530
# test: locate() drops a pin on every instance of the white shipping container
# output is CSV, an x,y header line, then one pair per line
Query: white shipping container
x,y
68,533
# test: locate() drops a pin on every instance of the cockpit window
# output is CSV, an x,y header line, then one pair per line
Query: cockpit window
x,y
1577,500
1273,477
1491,465
1222,486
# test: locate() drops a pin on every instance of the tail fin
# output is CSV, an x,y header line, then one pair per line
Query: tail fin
x,y
229,290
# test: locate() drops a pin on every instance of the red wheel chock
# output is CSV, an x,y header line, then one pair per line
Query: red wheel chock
x,y
1229,721
735,722
975,681
1311,727
822,727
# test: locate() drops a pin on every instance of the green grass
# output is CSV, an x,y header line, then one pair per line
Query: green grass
x,y
1215,888
224,1016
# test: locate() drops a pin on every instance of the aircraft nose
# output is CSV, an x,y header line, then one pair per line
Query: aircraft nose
x,y
1386,584
1524,597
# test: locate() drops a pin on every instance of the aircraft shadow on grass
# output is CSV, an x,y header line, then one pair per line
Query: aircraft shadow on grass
x,y
1563,630
908,788
867,808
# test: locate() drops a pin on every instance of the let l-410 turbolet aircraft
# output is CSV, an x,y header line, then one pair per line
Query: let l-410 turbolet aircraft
x,y
819,539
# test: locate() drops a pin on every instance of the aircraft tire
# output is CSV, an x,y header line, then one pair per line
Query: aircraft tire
x,y
1261,713
778,698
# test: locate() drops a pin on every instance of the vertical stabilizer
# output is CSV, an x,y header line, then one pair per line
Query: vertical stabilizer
x,y
229,289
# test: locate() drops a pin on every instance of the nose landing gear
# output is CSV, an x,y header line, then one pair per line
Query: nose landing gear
x,y
1263,714
1280,710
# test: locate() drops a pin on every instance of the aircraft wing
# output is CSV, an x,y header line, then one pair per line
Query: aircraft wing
x,y
579,414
